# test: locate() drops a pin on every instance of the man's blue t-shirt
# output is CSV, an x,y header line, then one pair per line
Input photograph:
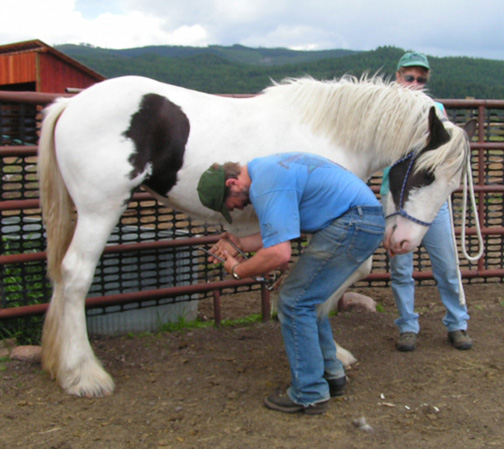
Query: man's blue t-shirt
x,y
299,192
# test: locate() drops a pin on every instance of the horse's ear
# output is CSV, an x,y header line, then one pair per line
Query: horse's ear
x,y
437,133
470,128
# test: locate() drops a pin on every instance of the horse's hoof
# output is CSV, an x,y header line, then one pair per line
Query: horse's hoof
x,y
90,393
93,383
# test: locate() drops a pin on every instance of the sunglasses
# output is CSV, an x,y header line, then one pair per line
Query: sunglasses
x,y
411,79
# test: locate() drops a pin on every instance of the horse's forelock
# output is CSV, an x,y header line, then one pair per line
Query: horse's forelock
x,y
450,156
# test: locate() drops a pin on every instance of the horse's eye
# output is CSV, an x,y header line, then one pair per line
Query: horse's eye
x,y
429,177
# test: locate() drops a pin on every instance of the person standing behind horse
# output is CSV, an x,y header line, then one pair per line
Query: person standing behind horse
x,y
413,71
294,193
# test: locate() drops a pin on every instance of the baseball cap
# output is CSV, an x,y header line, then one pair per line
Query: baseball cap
x,y
212,190
412,59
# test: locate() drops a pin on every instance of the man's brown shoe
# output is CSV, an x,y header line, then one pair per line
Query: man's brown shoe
x,y
407,342
460,340
281,402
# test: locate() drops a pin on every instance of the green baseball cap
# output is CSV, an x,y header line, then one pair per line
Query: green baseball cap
x,y
212,190
411,59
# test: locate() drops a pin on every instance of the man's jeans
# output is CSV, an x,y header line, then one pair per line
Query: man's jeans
x,y
332,255
438,243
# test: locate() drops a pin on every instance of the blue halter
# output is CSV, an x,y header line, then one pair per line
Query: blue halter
x,y
401,211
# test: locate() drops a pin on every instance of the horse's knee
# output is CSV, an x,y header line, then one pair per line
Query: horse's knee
x,y
77,277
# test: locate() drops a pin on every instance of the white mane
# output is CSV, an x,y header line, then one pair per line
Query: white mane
x,y
390,120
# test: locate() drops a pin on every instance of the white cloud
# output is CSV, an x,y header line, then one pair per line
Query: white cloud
x,y
56,22
450,27
137,29
301,37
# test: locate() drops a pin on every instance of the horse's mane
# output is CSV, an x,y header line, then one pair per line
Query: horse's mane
x,y
363,114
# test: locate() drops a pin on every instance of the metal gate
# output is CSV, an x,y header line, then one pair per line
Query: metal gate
x,y
133,269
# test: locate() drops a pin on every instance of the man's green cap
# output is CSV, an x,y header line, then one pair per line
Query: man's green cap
x,y
411,59
212,190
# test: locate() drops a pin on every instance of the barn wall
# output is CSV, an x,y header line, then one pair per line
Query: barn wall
x,y
17,68
42,70
55,75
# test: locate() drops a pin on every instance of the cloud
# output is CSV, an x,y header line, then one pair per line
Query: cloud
x,y
57,22
299,37
137,29
450,27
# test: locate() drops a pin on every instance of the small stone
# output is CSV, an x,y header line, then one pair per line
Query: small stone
x,y
352,301
361,424
29,353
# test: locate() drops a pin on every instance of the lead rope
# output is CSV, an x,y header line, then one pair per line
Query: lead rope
x,y
462,298
467,175
476,217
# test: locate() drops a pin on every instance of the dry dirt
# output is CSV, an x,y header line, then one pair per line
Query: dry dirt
x,y
204,388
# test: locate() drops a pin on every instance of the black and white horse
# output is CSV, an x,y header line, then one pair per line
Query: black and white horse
x,y
99,146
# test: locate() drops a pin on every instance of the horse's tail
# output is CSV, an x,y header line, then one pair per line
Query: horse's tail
x,y
57,205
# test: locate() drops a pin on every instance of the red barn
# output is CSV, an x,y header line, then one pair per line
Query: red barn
x,y
35,66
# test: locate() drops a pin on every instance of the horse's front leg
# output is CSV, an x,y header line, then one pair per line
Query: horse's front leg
x,y
66,352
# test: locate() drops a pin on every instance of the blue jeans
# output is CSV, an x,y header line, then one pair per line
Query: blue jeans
x,y
439,245
332,255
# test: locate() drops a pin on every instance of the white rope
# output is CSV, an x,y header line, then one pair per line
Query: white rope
x,y
462,298
467,175
476,217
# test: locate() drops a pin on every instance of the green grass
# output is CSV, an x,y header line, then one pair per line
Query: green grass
x,y
22,286
26,330
183,324
380,308
3,361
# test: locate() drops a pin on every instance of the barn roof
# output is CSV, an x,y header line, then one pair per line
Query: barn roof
x,y
41,47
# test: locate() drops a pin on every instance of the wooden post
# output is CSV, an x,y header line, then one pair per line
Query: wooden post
x,y
265,303
217,307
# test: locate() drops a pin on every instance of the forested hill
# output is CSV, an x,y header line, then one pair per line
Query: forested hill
x,y
239,69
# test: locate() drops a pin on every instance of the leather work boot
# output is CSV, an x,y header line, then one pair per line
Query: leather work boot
x,y
407,342
460,339
281,402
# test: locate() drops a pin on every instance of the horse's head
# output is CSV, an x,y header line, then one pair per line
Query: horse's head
x,y
421,182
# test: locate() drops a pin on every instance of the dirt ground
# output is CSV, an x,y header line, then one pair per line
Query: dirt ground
x,y
204,388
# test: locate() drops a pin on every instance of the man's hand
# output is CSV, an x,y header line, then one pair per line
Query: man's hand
x,y
224,249
230,262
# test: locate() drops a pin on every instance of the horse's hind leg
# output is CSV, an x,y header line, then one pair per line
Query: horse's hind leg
x,y
345,356
67,354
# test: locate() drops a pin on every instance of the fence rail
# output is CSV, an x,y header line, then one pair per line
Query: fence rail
x,y
154,236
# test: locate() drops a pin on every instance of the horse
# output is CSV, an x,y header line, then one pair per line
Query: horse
x,y
97,147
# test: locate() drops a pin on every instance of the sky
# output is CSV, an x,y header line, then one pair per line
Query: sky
x,y
434,27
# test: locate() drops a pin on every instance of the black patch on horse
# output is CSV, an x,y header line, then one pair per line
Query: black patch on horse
x,y
160,131
438,136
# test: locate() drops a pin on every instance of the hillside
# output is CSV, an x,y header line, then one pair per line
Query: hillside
x,y
239,69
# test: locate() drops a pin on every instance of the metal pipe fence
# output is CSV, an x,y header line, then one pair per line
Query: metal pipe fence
x,y
152,252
